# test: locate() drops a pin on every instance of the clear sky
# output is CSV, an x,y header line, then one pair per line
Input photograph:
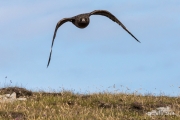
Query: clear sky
x,y
101,57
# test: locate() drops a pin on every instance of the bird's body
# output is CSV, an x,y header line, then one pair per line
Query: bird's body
x,y
82,21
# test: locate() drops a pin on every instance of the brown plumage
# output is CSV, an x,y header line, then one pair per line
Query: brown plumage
x,y
82,21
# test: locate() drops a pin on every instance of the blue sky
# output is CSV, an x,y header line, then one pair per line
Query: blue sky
x,y
98,57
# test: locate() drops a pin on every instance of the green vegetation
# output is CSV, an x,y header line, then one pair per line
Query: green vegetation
x,y
98,106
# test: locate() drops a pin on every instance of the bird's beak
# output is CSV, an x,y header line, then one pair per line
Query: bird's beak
x,y
83,20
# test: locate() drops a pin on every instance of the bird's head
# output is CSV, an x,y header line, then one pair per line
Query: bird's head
x,y
81,21
84,20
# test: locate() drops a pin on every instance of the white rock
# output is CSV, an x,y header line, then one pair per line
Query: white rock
x,y
7,95
9,98
161,111
13,95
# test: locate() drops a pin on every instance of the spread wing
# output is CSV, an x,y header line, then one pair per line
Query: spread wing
x,y
57,26
113,18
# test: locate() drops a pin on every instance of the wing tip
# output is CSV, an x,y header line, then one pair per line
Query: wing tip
x,y
49,57
139,41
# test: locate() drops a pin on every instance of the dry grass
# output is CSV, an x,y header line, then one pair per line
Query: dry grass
x,y
99,106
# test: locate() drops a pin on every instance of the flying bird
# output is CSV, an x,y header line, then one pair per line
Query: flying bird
x,y
82,21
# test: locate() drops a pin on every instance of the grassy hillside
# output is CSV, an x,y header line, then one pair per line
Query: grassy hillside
x,y
98,106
